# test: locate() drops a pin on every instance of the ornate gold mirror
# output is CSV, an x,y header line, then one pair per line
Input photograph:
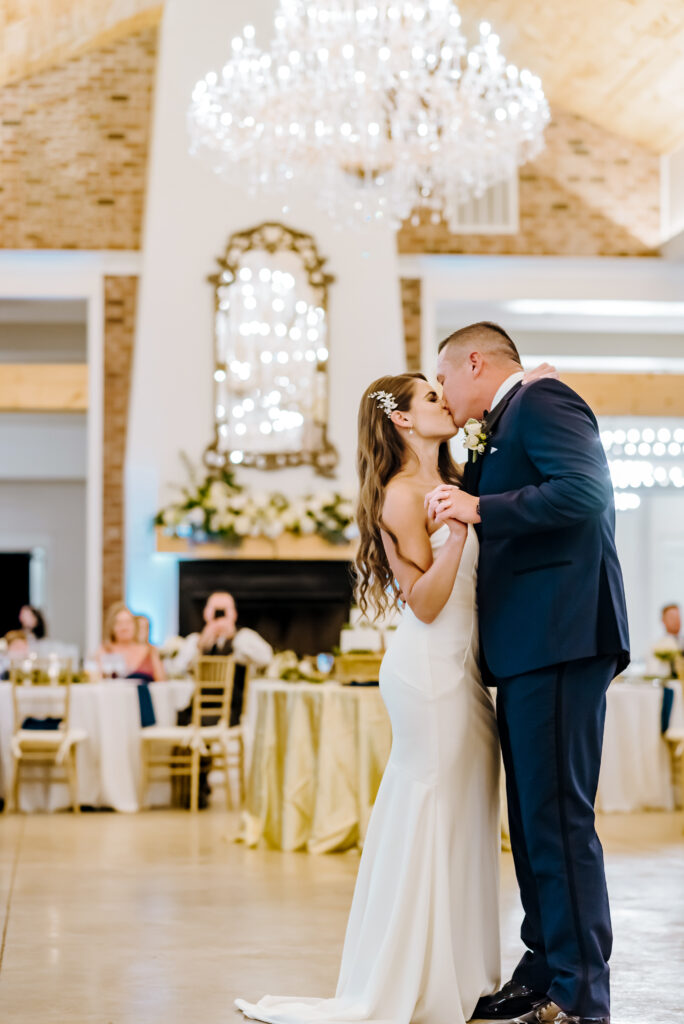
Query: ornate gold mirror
x,y
271,353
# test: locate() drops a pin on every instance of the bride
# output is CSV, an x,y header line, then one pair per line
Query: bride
x,y
422,941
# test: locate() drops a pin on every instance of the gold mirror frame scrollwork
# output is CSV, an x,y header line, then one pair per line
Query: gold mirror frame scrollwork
x,y
273,237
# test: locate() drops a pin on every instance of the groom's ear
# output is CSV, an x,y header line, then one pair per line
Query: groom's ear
x,y
475,363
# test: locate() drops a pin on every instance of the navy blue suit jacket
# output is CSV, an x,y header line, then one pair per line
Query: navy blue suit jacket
x,y
550,586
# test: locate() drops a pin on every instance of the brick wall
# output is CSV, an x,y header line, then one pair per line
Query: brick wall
x,y
73,155
73,158
589,193
410,304
73,164
120,306
73,150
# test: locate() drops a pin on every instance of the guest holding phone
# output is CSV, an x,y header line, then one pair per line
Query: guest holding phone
x,y
221,637
220,624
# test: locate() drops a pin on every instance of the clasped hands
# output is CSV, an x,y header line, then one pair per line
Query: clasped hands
x,y
448,502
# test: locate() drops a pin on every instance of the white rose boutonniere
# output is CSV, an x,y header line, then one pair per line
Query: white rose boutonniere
x,y
475,439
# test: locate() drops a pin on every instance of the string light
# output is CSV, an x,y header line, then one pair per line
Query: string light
x,y
646,458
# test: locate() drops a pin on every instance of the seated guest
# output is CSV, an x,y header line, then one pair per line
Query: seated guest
x,y
671,643
17,642
142,626
16,647
32,622
140,660
220,636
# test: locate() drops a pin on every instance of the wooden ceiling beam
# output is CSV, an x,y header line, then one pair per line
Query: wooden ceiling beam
x,y
43,387
616,63
39,34
630,394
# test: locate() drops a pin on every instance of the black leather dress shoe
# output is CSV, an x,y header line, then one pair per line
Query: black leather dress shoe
x,y
550,1013
511,999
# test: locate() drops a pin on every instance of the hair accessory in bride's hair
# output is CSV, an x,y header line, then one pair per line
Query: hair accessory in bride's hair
x,y
386,400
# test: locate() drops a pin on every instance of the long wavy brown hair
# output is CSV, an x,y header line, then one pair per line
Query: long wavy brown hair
x,y
381,454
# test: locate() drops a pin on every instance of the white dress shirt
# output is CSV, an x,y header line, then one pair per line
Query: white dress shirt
x,y
248,647
509,383
656,666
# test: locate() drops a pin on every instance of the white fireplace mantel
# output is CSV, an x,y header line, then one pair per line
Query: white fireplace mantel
x,y
284,548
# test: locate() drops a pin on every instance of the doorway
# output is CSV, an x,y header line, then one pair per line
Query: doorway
x,y
15,589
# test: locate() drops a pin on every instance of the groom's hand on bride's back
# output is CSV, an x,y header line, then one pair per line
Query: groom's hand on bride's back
x,y
447,502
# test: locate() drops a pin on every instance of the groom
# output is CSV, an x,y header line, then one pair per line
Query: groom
x,y
553,634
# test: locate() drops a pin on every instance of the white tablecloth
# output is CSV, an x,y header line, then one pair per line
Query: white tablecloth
x,y
636,771
109,759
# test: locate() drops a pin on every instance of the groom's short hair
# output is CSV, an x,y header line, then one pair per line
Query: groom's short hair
x,y
488,337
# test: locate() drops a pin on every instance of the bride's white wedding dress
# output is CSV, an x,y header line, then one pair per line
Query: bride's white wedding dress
x,y
422,942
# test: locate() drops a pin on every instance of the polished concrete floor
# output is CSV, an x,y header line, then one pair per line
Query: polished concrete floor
x,y
161,917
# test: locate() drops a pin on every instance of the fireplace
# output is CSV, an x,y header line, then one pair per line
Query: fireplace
x,y
298,605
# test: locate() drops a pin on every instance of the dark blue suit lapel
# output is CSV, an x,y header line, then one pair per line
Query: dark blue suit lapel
x,y
473,470
491,420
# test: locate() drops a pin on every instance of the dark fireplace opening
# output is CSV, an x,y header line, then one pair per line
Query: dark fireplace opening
x,y
295,605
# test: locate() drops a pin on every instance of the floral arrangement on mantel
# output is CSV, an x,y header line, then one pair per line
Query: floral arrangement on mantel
x,y
215,507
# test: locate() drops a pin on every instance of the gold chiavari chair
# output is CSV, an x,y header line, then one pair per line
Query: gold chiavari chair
x,y
235,744
177,750
675,733
52,748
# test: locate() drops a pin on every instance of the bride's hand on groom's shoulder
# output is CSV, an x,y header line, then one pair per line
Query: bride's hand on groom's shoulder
x,y
543,372
447,502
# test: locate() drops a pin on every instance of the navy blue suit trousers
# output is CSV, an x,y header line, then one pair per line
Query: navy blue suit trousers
x,y
553,634
551,727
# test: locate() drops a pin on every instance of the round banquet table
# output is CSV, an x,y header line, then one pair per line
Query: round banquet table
x,y
636,770
315,754
108,761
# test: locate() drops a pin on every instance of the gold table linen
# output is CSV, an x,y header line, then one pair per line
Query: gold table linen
x,y
316,756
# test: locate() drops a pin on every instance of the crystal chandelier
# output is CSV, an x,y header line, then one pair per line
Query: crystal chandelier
x,y
378,107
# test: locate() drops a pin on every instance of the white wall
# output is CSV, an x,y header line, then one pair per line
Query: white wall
x,y
43,343
650,542
43,446
51,515
600,315
672,194
43,465
189,217
60,284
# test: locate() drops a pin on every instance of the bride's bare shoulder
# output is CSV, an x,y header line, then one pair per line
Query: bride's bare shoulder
x,y
404,503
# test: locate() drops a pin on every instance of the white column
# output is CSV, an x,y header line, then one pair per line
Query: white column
x,y
189,217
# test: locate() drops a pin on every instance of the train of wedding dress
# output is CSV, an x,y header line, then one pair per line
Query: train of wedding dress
x,y
422,941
